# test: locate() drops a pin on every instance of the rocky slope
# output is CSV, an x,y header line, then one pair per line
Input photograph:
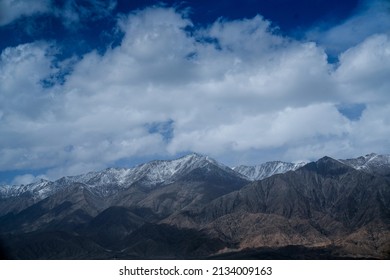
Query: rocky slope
x,y
195,207
324,203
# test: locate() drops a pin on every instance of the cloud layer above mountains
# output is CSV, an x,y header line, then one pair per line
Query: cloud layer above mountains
x,y
235,90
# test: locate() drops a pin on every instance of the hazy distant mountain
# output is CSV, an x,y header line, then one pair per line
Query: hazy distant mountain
x,y
195,207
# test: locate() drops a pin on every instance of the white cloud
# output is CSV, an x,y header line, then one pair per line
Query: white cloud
x,y
13,9
27,179
288,127
364,70
371,16
21,70
373,129
232,90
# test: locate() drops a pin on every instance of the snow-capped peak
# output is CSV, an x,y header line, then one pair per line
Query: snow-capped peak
x,y
149,174
372,163
39,189
160,172
259,172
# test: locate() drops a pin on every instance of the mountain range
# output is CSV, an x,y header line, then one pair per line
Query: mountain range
x,y
196,207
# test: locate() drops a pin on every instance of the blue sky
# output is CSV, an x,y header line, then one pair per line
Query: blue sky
x,y
86,85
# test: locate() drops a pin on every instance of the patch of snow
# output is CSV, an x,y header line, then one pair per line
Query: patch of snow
x,y
259,172
370,163
154,173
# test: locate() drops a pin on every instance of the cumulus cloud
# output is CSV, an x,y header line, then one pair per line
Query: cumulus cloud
x,y
371,16
13,9
234,90
364,70
22,69
27,179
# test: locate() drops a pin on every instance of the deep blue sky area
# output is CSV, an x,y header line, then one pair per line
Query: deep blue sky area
x,y
97,32
91,84
288,14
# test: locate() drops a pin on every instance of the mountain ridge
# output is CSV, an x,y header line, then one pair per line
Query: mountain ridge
x,y
150,174
195,207
153,173
158,172
373,163
267,169
336,206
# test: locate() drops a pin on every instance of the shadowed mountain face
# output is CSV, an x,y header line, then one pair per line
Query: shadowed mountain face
x,y
195,207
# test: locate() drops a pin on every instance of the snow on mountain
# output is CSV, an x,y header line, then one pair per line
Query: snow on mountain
x,y
111,180
160,172
151,173
267,169
372,163
40,189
